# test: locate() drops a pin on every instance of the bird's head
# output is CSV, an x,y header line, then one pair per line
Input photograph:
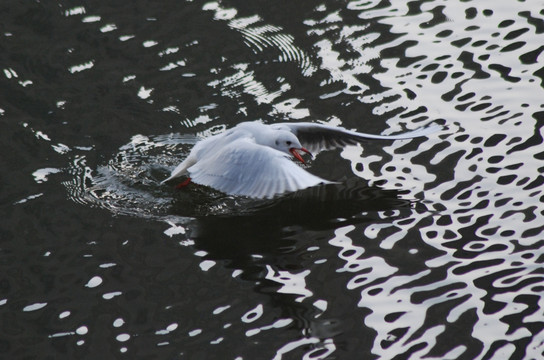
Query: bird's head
x,y
287,142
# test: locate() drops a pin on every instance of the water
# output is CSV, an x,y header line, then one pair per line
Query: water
x,y
429,248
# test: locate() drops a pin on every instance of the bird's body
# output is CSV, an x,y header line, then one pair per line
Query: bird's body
x,y
253,159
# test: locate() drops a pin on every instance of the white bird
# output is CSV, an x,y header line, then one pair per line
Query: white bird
x,y
253,159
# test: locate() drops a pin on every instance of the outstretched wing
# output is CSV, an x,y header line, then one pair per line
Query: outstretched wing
x,y
245,168
317,137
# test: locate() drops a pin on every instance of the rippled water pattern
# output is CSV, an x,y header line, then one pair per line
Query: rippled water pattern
x,y
430,248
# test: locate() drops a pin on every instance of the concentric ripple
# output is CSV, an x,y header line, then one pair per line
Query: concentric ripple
x,y
271,42
129,183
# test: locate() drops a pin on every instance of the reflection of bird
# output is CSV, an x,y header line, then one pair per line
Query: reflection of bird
x,y
252,158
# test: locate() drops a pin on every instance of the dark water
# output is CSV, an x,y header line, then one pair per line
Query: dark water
x,y
429,249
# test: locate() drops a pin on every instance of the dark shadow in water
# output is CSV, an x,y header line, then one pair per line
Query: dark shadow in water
x,y
269,227
314,208
257,237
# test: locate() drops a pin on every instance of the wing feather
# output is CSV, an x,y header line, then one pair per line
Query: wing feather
x,y
317,137
246,168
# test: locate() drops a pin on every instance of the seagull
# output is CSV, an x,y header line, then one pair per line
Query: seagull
x,y
253,159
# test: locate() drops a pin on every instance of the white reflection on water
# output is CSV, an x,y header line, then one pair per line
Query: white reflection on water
x,y
34,307
322,352
276,325
94,282
291,283
253,314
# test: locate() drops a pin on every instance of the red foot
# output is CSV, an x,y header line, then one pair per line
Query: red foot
x,y
183,183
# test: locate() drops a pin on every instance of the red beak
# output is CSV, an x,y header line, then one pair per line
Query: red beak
x,y
297,155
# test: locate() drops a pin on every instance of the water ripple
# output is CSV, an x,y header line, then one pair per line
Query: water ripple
x,y
128,183
430,248
262,38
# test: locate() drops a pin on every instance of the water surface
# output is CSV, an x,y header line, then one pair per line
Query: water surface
x,y
428,248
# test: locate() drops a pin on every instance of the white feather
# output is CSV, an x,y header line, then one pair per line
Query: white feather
x,y
243,167
253,159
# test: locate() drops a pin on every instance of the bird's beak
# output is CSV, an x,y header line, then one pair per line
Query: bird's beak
x,y
297,155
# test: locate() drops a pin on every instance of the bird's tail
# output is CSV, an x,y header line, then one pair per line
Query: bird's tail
x,y
180,170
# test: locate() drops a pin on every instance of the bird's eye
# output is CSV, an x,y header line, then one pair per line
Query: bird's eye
x,y
277,142
288,143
